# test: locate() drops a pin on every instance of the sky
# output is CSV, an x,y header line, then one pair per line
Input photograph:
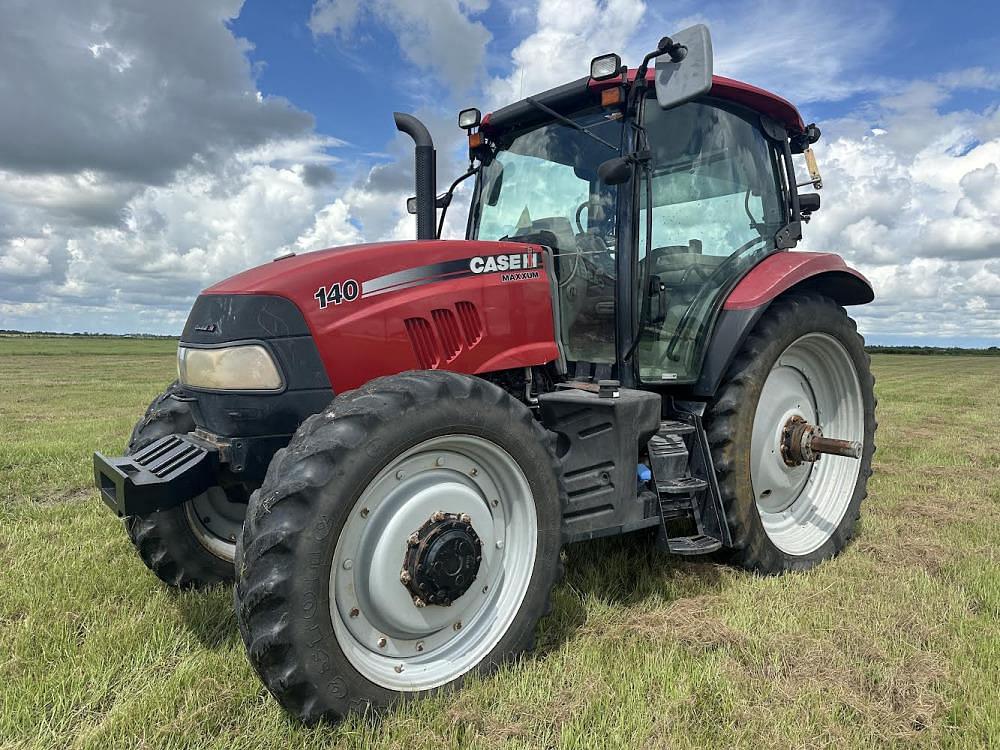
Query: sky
x,y
149,149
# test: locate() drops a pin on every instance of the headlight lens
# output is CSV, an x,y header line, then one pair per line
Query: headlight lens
x,y
234,368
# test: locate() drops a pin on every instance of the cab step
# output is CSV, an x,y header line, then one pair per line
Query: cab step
x,y
675,427
681,486
693,545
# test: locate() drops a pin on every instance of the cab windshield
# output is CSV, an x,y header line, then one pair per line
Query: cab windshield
x,y
543,187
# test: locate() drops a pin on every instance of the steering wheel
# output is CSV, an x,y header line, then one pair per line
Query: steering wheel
x,y
579,210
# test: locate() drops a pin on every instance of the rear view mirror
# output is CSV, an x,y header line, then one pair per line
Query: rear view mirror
x,y
682,81
615,171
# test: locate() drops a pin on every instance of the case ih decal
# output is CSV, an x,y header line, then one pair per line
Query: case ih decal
x,y
507,262
521,264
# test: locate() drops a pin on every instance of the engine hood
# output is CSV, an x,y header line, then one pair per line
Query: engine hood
x,y
463,305
295,275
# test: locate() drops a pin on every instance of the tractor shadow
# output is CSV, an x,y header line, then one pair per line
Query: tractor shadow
x,y
208,614
624,571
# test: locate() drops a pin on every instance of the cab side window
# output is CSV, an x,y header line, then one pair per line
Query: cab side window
x,y
716,207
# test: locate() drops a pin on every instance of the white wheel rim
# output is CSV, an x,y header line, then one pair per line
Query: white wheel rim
x,y
388,639
215,522
802,506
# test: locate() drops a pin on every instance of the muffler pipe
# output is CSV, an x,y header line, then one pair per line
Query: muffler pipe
x,y
425,173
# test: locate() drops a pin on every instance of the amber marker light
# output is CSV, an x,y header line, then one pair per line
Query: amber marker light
x,y
611,97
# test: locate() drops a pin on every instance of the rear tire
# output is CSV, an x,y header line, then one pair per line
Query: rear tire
x,y
804,357
176,544
328,622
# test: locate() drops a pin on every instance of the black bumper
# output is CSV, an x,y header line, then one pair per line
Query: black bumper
x,y
164,474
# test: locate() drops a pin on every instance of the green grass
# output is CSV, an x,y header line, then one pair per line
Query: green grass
x,y
895,643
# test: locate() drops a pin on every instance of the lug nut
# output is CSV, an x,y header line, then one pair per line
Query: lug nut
x,y
420,645
382,642
405,577
355,612
348,564
494,502
473,471
499,543
398,668
364,512
400,474
438,516
440,462
465,518
457,625
419,603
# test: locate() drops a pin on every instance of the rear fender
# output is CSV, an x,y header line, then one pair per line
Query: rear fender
x,y
776,275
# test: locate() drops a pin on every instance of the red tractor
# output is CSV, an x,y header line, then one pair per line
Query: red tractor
x,y
393,441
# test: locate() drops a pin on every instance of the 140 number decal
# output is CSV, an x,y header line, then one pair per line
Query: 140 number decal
x,y
341,291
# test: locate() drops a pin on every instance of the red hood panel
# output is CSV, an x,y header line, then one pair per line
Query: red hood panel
x,y
381,308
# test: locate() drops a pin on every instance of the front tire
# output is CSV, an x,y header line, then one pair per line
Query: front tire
x,y
191,545
330,621
803,360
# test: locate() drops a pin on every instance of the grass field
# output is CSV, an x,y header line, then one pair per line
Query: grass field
x,y
895,643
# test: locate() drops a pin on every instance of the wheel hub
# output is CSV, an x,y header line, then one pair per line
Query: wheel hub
x,y
801,441
442,559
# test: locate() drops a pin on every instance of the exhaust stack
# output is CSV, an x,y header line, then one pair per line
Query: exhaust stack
x,y
425,170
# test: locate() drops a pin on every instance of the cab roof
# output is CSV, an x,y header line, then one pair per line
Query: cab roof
x,y
568,94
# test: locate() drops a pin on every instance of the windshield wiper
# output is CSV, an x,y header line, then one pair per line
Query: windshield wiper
x,y
567,121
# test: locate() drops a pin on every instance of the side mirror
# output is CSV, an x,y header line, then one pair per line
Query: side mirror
x,y
691,75
808,202
615,171
411,205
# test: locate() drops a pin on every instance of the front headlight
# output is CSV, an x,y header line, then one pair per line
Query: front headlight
x,y
233,368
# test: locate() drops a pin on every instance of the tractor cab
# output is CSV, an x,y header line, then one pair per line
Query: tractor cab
x,y
654,204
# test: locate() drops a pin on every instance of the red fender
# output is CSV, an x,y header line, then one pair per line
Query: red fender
x,y
822,272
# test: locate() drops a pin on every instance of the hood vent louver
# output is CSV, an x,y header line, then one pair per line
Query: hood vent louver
x,y
424,343
443,338
472,326
448,333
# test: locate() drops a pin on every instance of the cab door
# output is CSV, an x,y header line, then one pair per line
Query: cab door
x,y
717,206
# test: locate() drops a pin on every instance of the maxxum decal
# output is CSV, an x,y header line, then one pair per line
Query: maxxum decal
x,y
512,266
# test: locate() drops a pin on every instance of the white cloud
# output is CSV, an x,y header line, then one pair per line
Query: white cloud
x,y
436,35
566,30
915,203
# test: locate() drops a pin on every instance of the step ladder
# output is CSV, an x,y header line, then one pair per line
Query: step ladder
x,y
676,490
